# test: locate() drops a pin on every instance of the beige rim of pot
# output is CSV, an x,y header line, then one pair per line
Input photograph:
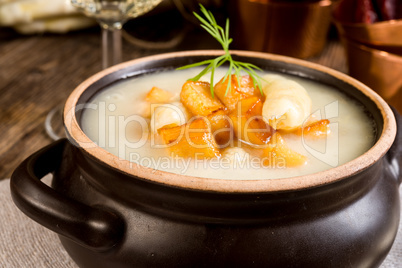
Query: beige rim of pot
x,y
219,185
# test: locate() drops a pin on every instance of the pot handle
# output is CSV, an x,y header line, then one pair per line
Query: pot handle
x,y
95,228
394,154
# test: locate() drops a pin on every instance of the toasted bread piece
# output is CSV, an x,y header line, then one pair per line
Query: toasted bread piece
x,y
158,95
239,90
315,130
248,124
197,98
193,139
278,151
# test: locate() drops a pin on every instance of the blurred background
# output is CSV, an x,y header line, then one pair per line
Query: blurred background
x,y
370,31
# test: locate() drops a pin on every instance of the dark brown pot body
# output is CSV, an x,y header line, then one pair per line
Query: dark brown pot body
x,y
108,218
351,223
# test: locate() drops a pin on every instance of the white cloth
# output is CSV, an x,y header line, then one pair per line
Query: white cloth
x,y
39,16
25,243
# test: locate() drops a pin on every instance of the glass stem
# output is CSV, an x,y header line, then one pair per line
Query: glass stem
x,y
111,46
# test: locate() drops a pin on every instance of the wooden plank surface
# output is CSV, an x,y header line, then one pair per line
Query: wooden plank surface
x,y
37,73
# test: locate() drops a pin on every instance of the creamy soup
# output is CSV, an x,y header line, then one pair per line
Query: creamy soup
x,y
116,119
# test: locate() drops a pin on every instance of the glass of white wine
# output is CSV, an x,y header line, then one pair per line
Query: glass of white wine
x,y
111,15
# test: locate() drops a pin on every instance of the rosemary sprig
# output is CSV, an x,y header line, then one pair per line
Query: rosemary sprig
x,y
222,36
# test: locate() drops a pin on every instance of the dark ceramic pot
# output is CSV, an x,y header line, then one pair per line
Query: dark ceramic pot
x,y
110,213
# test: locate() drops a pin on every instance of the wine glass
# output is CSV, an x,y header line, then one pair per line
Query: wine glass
x,y
111,15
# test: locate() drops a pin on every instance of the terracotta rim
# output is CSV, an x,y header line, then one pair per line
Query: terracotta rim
x,y
320,3
222,185
377,52
380,25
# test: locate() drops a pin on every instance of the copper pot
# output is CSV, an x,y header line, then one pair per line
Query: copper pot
x,y
383,34
292,28
373,51
109,213
378,69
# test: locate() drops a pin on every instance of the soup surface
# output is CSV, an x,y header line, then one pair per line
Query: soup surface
x,y
116,120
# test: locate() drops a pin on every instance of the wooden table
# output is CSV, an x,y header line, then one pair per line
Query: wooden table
x,y
37,73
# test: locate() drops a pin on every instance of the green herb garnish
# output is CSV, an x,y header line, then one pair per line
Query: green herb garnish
x,y
222,36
